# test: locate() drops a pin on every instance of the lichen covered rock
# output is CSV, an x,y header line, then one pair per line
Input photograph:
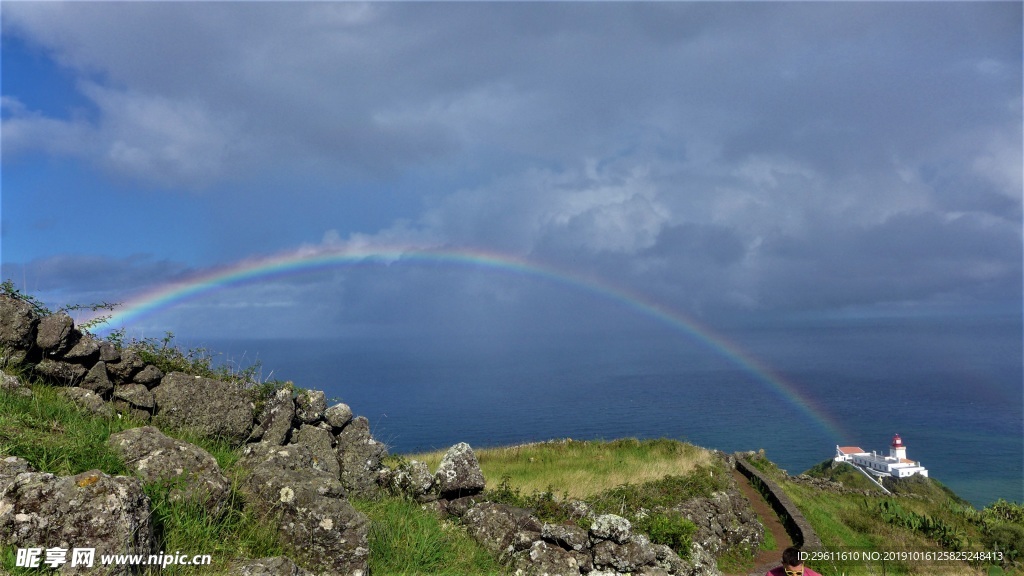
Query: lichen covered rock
x,y
360,456
156,457
91,509
459,473
211,408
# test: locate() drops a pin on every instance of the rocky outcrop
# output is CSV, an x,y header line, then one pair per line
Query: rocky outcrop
x,y
109,513
826,485
192,472
725,520
520,540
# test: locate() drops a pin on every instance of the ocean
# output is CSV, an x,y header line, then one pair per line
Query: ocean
x,y
951,388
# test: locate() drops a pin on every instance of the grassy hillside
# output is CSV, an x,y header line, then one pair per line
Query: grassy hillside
x,y
55,436
577,469
924,517
621,476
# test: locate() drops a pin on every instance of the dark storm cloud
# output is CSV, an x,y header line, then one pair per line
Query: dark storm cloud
x,y
906,258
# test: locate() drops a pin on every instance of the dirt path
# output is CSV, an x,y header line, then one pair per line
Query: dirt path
x,y
764,560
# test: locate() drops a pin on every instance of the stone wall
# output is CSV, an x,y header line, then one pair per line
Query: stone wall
x,y
798,527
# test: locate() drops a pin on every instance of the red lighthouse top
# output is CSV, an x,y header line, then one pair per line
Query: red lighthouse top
x,y
897,442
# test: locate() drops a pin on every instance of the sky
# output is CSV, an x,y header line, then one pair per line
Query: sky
x,y
721,161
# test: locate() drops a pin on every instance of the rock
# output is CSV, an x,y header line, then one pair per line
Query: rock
x,y
338,416
97,381
702,561
212,408
276,566
280,470
275,421
149,376
460,506
584,560
109,353
155,457
86,351
320,444
543,558
89,401
13,357
628,557
568,536
10,467
91,509
18,324
360,458
412,478
310,406
724,520
496,526
123,370
322,528
611,527
459,472
14,385
62,373
328,535
669,560
56,333
136,395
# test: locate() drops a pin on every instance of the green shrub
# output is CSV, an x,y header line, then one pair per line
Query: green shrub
x,y
670,528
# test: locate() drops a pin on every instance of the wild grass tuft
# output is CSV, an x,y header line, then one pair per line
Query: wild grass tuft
x,y
407,539
55,436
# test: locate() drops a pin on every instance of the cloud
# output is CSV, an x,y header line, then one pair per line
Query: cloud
x,y
711,156
25,130
907,258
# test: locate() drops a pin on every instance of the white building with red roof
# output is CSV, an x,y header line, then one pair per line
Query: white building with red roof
x,y
896,464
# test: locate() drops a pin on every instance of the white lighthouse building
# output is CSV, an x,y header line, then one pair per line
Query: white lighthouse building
x,y
896,464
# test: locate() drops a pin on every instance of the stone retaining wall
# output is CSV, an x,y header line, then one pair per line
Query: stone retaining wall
x,y
798,527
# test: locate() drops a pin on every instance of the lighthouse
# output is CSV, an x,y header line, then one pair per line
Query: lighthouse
x,y
895,464
897,449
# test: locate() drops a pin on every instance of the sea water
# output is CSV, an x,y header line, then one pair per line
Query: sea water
x,y
952,390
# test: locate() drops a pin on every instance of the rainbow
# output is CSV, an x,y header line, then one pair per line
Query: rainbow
x,y
304,261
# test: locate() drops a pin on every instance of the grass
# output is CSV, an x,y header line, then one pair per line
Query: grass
x,y
51,432
405,538
580,469
54,435
641,480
